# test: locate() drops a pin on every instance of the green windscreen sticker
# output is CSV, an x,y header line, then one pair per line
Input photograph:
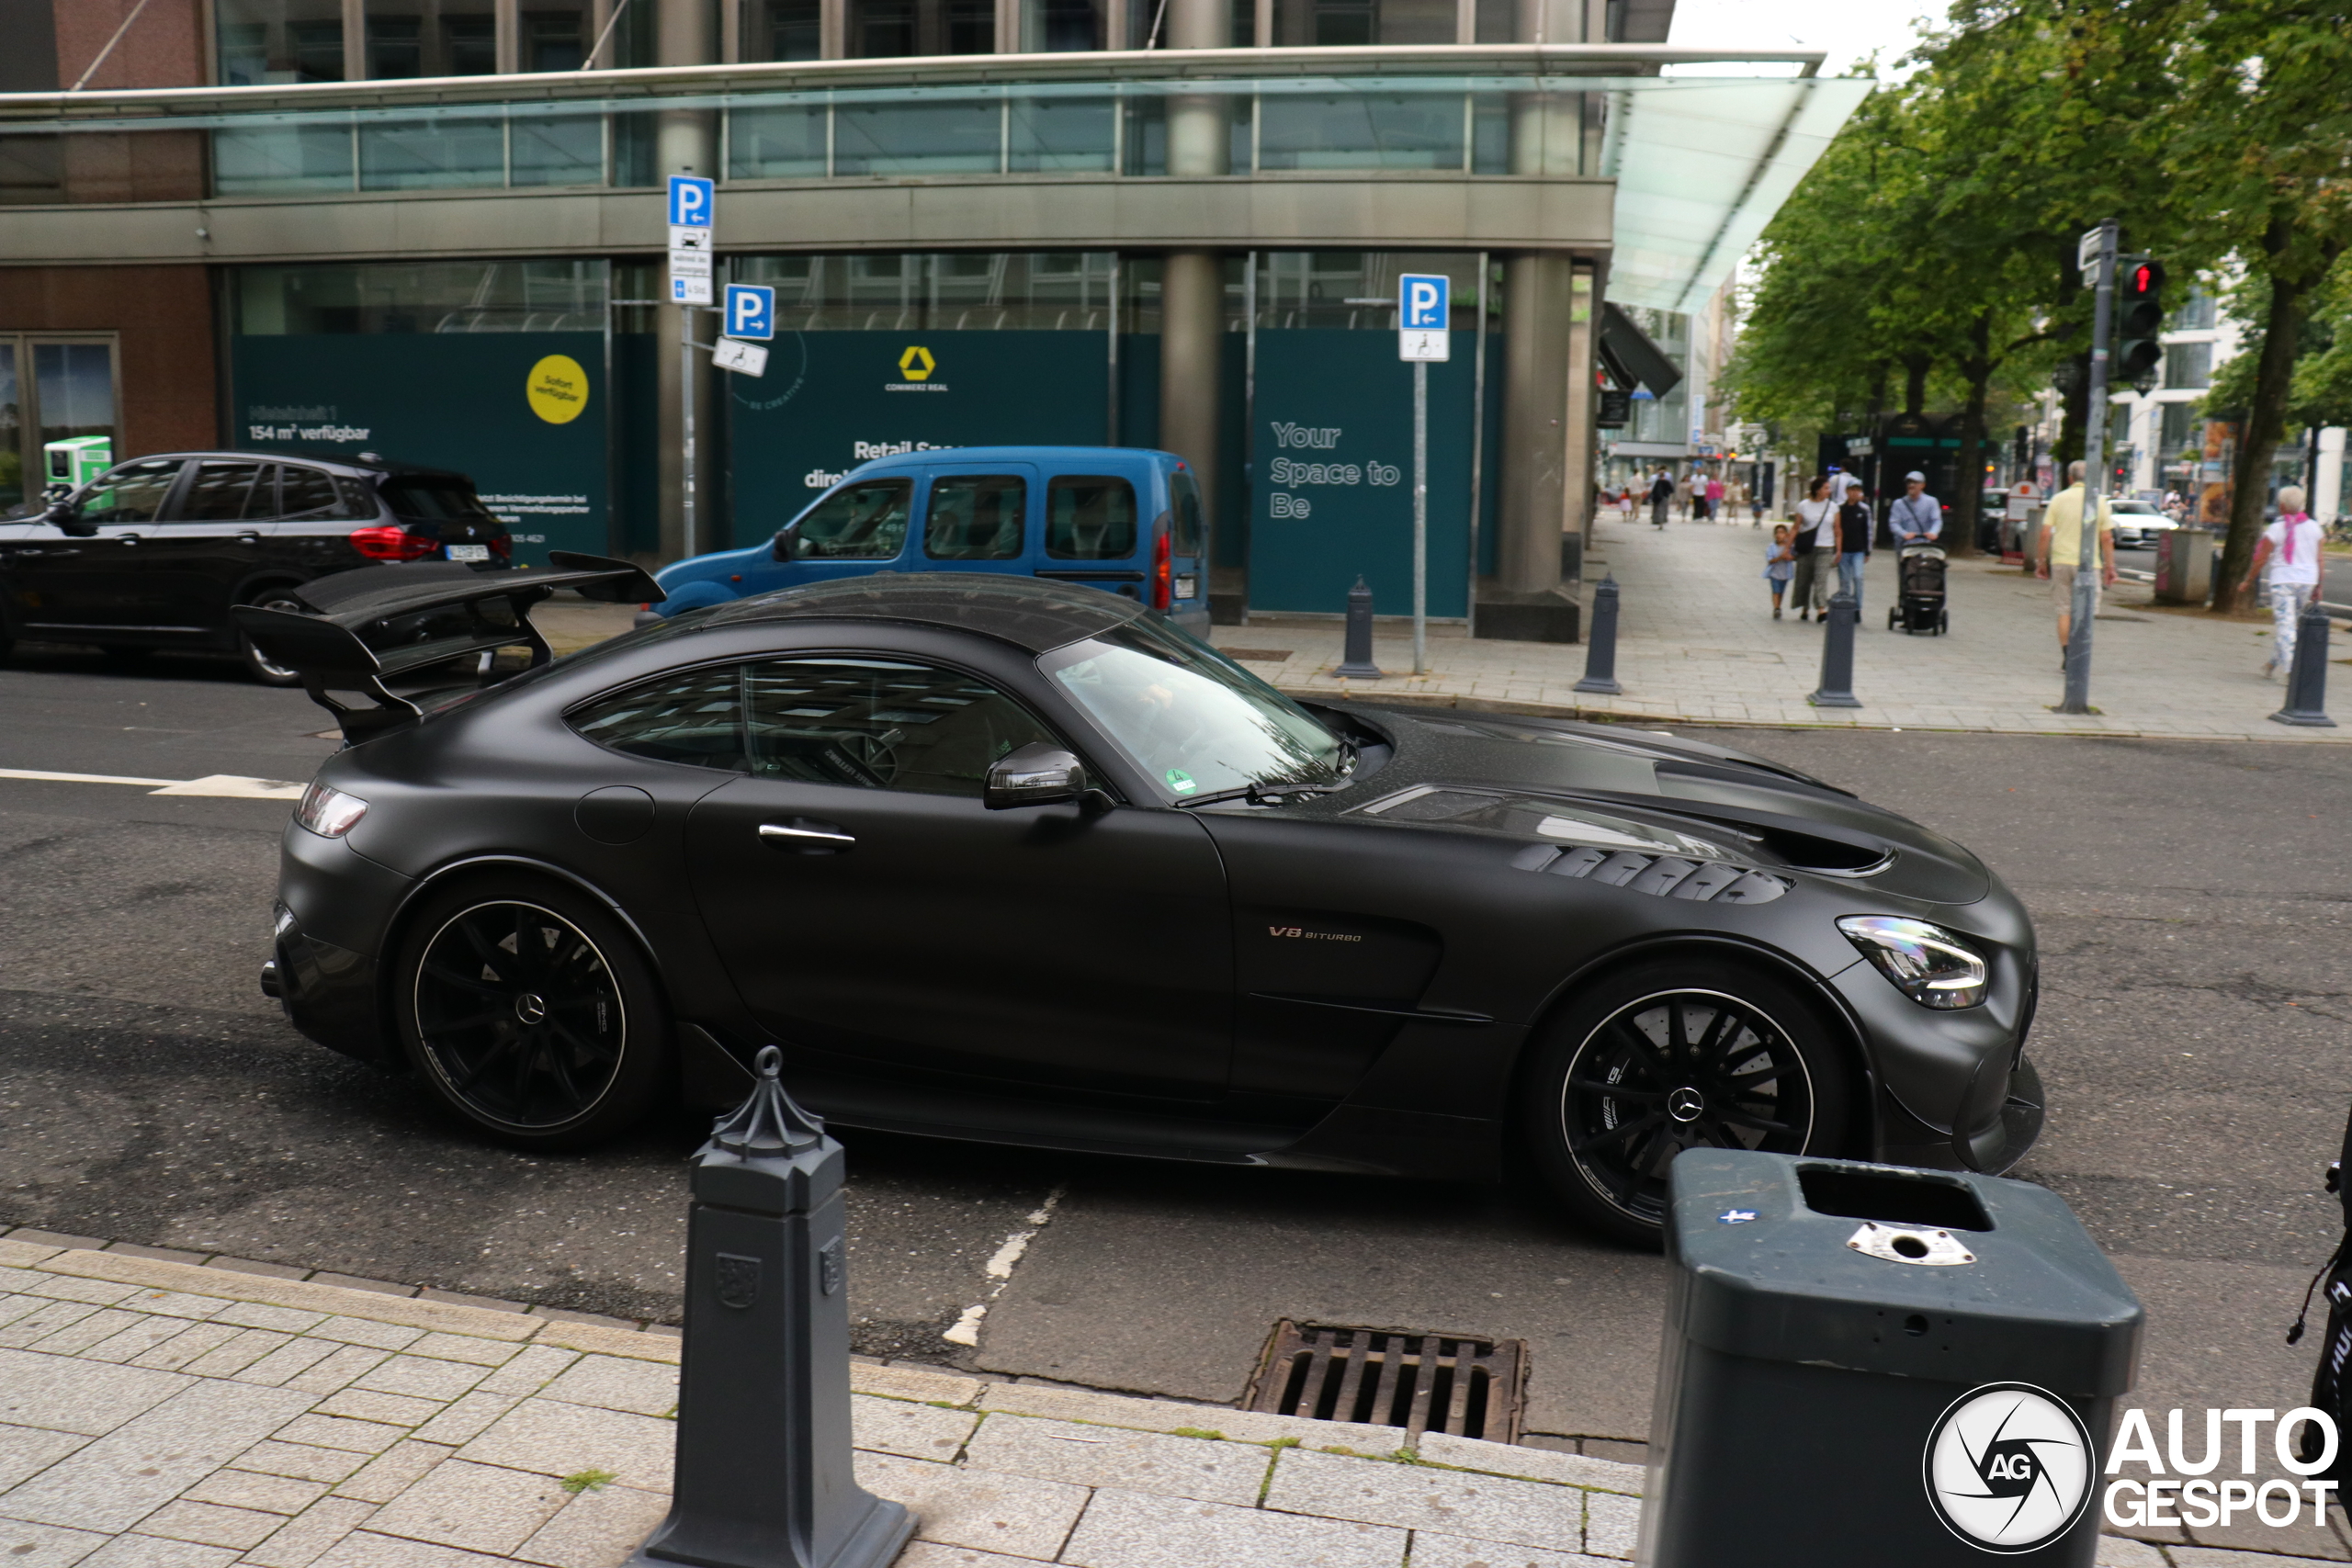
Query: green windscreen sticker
x,y
1181,782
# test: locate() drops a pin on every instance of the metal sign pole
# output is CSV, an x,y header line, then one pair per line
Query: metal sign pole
x,y
1421,516
686,402
2088,564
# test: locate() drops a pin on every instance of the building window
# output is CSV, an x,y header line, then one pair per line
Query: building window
x,y
2195,313
957,291
2181,429
51,389
1339,23
421,297
279,41
554,37
1061,27
890,28
431,37
783,29
2188,365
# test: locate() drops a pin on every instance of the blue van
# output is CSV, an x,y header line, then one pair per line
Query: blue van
x,y
1118,518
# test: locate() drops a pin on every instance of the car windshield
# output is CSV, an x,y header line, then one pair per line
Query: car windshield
x,y
2141,507
1193,720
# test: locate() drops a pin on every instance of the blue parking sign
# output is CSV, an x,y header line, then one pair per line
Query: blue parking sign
x,y
750,311
693,202
1421,299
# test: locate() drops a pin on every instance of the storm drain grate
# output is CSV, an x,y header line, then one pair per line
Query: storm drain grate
x,y
1385,1376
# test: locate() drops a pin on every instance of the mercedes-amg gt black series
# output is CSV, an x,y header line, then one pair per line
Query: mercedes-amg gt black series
x,y
1019,860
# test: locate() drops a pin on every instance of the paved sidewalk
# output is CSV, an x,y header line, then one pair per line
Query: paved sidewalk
x,y
156,1414
1697,644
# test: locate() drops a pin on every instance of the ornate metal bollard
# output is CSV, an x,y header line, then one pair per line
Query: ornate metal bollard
x,y
1601,654
763,1477
2307,682
1837,689
1358,664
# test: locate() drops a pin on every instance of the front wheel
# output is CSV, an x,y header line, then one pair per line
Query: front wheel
x,y
1668,1057
525,1006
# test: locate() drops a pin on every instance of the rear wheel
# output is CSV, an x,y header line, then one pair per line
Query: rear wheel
x,y
1671,1055
258,664
527,1010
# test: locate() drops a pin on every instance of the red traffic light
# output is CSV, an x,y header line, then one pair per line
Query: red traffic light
x,y
2142,280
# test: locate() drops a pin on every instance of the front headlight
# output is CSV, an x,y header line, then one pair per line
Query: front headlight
x,y
1927,962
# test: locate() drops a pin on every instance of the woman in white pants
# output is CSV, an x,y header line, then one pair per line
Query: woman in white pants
x,y
2287,559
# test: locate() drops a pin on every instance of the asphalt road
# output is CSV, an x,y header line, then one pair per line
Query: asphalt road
x,y
2192,1035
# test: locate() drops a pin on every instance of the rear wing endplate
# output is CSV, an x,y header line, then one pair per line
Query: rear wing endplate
x,y
373,624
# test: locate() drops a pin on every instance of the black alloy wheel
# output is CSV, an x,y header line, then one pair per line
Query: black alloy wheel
x,y
529,1011
258,664
1675,1056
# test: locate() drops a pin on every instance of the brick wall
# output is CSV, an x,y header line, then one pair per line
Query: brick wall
x,y
164,49
167,393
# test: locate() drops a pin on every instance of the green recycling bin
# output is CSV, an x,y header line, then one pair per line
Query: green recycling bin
x,y
1871,1365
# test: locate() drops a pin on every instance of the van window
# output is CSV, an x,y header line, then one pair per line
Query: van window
x,y
1090,517
1185,500
859,521
975,517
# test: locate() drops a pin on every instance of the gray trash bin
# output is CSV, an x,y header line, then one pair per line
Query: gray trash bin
x,y
1870,1364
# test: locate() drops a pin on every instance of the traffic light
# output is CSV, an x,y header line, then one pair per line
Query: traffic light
x,y
2141,321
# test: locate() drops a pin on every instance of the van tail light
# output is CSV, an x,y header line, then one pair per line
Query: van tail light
x,y
388,542
1163,574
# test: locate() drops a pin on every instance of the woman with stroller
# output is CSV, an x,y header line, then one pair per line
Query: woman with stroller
x,y
1779,564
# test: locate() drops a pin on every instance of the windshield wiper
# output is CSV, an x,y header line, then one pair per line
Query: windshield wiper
x,y
1263,793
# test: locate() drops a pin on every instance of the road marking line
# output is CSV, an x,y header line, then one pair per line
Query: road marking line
x,y
966,1330
231,786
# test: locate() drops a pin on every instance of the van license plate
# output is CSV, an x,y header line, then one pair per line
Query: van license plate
x,y
469,552
1186,587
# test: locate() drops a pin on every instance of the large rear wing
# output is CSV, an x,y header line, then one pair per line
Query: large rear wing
x,y
376,624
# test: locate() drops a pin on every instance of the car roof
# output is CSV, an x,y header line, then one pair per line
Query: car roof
x,y
1030,614
1063,457
366,462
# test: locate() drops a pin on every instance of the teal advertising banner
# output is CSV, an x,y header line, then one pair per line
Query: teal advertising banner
x,y
830,400
523,414
1334,470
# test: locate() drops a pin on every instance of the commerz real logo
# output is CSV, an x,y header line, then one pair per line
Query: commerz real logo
x,y
916,365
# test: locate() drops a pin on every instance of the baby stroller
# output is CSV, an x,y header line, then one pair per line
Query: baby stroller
x,y
1920,598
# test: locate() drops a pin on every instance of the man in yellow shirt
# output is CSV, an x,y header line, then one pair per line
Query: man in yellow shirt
x,y
2061,552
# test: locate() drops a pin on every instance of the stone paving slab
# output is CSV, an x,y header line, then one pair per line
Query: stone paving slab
x,y
1697,644
527,1444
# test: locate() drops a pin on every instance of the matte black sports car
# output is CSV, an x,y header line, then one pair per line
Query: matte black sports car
x,y
1018,861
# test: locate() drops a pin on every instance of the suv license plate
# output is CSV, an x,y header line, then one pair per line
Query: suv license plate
x,y
469,552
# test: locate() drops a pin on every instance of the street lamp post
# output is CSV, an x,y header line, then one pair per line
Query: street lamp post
x,y
2101,242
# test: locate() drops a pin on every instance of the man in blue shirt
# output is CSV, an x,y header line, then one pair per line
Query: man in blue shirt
x,y
1916,518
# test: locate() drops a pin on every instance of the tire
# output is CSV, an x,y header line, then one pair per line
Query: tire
x,y
256,665
525,1006
1606,1106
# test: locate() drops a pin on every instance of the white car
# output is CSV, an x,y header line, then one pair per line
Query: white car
x,y
2140,525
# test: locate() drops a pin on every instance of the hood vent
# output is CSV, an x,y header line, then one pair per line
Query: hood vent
x,y
1826,857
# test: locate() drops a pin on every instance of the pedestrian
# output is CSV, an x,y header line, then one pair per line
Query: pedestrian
x,y
1853,543
1661,497
1779,564
1916,518
1625,503
1693,494
1756,506
1714,498
1814,546
2287,558
2061,552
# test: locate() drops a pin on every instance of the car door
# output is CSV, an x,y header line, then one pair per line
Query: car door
x,y
979,517
1093,531
212,540
882,923
315,515
93,577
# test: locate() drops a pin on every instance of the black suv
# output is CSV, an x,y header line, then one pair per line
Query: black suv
x,y
153,552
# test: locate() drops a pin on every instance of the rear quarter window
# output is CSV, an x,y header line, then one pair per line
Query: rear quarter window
x,y
1184,500
1090,517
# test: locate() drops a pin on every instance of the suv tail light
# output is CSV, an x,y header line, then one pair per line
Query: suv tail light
x,y
1163,573
501,545
387,543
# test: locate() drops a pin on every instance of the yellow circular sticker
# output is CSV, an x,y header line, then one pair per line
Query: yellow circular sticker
x,y
558,389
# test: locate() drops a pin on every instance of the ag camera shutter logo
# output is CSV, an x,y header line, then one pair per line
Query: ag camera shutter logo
x,y
2008,1467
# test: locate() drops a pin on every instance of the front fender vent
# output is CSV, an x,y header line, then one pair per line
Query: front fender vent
x,y
1669,876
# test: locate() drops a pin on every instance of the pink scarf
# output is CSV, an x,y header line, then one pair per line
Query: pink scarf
x,y
2291,521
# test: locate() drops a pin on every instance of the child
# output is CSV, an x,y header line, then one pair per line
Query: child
x,y
1779,564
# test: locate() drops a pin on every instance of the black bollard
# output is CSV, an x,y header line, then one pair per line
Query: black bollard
x,y
1600,653
1837,656
2307,682
1358,664
764,1476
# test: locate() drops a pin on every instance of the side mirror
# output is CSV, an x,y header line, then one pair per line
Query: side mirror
x,y
786,545
1039,774
68,520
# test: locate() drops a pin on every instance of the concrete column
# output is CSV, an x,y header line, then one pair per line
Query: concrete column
x,y
1578,450
1538,300
2326,500
685,143
1192,283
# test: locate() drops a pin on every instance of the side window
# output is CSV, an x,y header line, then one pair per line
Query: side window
x,y
975,517
307,492
357,498
1090,517
223,492
882,723
860,522
132,493
694,716
1185,500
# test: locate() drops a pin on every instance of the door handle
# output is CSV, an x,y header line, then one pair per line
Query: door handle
x,y
249,538
820,839
127,538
